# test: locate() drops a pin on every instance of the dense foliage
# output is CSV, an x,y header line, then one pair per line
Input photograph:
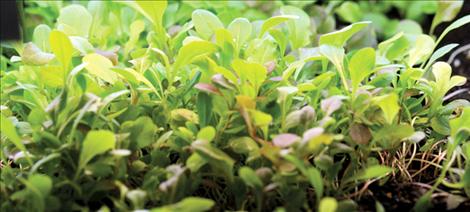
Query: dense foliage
x,y
196,106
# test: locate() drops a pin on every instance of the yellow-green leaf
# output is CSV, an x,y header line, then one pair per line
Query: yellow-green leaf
x,y
389,105
206,23
74,20
8,129
61,47
100,67
153,10
95,143
193,51
339,38
361,65
241,30
255,73
274,21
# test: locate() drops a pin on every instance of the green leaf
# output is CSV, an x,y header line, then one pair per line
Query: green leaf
x,y
375,171
41,183
274,21
52,76
96,142
339,38
193,51
195,162
204,108
443,83
250,178
328,204
261,50
194,204
143,132
100,67
456,24
409,27
446,11
133,76
74,20
218,159
241,30
41,37
350,12
421,50
244,145
461,124
395,47
389,105
299,29
137,27
439,53
255,73
82,44
8,129
361,65
440,124
61,47
281,39
315,179
153,11
260,118
32,55
206,23
206,133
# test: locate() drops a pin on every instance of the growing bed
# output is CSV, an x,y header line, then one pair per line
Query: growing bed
x,y
235,106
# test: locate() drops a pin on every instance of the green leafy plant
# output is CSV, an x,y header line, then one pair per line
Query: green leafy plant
x,y
193,106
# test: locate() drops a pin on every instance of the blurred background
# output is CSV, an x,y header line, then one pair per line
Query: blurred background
x,y
388,18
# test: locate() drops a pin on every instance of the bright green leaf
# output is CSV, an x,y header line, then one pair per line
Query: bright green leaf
x,y
361,65
241,30
421,49
253,72
328,204
350,12
41,37
61,47
193,51
206,133
100,67
389,105
339,38
95,143
375,171
74,20
194,204
153,11
299,29
206,23
274,21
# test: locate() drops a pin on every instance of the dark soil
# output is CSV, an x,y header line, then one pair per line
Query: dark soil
x,y
402,197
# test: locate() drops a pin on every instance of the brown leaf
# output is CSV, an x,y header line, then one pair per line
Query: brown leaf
x,y
360,133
